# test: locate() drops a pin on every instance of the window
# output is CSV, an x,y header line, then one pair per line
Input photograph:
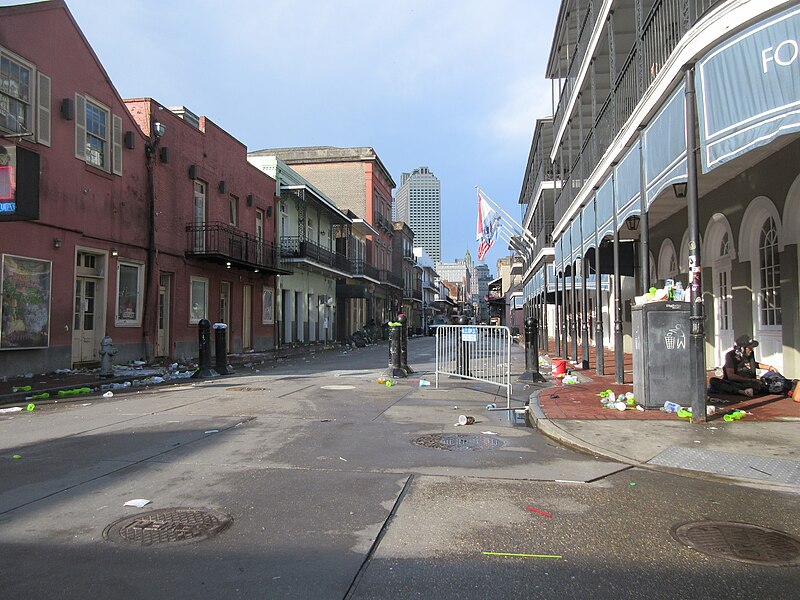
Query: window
x,y
199,216
198,301
233,210
98,135
267,313
769,300
130,277
259,225
16,95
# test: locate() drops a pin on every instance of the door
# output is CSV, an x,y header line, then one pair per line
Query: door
x,y
84,348
247,317
723,311
287,312
312,318
199,216
299,316
162,339
225,310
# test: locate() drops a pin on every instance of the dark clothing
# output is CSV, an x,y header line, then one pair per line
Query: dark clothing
x,y
742,365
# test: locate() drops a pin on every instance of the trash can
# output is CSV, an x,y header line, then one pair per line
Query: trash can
x,y
661,353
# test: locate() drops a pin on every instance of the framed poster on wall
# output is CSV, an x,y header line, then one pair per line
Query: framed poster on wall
x,y
25,303
267,306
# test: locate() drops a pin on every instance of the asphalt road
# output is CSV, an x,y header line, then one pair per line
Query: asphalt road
x,y
331,498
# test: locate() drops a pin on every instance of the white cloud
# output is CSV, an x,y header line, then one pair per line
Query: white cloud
x,y
525,100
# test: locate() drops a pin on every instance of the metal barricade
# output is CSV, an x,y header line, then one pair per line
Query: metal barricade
x,y
477,352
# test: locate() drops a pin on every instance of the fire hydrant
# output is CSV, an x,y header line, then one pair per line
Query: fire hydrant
x,y
107,350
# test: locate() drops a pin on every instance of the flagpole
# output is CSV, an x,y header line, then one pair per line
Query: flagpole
x,y
526,245
524,231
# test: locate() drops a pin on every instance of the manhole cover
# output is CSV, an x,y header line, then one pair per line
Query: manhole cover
x,y
245,388
168,526
741,542
337,387
458,441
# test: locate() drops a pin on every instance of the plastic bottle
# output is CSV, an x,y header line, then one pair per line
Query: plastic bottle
x,y
671,406
678,292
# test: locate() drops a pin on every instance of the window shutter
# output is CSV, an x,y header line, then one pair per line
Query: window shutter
x,y
80,127
43,124
117,145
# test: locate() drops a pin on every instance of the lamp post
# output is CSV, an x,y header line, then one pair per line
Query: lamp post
x,y
158,129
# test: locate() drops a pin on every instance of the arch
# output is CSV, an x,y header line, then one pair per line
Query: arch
x,y
667,260
718,226
653,272
791,214
757,212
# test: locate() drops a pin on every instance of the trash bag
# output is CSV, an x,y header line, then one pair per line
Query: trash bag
x,y
776,383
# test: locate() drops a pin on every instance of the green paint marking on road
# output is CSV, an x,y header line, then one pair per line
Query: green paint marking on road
x,y
522,555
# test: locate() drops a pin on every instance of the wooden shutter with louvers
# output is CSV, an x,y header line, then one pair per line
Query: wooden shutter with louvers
x,y
116,136
80,127
43,121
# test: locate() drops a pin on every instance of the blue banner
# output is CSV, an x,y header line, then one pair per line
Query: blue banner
x,y
664,143
748,89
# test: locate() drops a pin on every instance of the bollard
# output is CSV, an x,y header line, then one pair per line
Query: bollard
x,y
531,352
107,350
395,369
403,320
462,351
204,362
221,349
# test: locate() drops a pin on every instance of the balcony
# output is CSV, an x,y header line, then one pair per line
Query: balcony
x,y
390,278
360,268
226,245
296,250
409,294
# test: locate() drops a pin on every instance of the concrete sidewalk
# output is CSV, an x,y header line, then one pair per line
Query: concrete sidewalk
x,y
759,449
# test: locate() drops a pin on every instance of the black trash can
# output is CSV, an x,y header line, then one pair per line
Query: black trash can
x,y
661,354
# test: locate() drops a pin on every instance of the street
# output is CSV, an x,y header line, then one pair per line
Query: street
x,y
335,491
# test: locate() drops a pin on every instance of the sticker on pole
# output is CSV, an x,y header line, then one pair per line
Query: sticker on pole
x,y
469,334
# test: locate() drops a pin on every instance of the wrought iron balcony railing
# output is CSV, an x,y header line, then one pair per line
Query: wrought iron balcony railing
x,y
362,269
390,278
294,248
223,243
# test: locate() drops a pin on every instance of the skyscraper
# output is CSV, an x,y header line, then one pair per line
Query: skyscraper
x,y
418,204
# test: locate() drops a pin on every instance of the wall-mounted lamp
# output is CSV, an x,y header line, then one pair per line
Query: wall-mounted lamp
x,y
159,129
633,222
68,109
129,140
681,188
114,252
228,265
57,243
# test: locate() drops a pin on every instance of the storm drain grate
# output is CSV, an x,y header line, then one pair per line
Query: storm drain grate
x,y
741,542
245,388
168,526
458,441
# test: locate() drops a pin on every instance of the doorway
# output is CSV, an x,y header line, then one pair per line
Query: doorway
x,y
247,317
89,308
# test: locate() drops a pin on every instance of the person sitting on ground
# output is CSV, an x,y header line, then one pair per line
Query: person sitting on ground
x,y
739,371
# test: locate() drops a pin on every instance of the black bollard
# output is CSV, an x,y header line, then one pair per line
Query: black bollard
x,y
204,370
403,320
395,369
531,352
221,349
462,350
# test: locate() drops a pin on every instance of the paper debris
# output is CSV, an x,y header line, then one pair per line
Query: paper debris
x,y
212,431
489,432
344,459
138,502
11,410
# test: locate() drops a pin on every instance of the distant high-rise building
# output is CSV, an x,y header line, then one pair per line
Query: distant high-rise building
x,y
418,203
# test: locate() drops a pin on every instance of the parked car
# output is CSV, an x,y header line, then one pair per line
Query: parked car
x,y
433,325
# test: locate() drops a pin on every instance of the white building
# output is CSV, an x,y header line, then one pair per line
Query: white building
x,y
418,203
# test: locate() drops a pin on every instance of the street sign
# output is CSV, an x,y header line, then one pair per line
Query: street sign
x,y
469,334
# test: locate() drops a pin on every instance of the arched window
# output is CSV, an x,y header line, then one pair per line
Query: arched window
x,y
769,293
723,295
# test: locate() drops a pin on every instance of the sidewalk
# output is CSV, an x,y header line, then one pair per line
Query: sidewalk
x,y
762,448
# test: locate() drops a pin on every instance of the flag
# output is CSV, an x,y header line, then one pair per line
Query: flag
x,y
488,225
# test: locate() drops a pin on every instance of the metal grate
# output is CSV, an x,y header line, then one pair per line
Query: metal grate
x,y
741,542
458,441
168,526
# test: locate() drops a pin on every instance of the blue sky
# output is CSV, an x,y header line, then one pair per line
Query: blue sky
x,y
455,86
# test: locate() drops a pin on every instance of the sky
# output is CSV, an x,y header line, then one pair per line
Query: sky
x,y
455,86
